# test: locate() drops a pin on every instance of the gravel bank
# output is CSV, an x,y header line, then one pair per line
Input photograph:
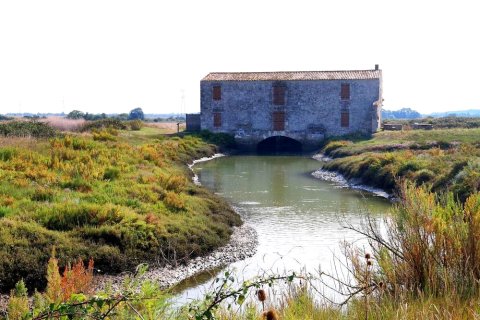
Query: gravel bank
x,y
242,244
338,179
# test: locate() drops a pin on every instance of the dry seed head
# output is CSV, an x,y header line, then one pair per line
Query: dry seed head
x,y
367,256
369,262
271,315
262,295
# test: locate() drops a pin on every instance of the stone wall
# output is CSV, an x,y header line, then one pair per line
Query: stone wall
x,y
193,122
312,109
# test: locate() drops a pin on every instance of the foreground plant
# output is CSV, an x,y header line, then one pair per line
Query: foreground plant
x,y
69,296
227,294
428,245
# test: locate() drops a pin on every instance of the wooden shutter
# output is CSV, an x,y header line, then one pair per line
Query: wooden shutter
x,y
217,119
278,95
345,91
217,92
279,121
345,119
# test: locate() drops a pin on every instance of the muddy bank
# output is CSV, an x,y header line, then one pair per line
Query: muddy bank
x,y
338,179
242,244
190,166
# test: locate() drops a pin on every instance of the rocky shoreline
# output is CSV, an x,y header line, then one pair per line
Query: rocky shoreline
x,y
342,182
242,244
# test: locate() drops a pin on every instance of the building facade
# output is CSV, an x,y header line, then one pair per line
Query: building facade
x,y
304,106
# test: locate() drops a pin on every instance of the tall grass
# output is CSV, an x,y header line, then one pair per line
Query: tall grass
x,y
430,245
115,201
444,159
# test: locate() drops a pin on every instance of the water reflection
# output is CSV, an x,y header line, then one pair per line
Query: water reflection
x,y
297,217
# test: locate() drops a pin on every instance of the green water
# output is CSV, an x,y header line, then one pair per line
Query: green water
x,y
299,219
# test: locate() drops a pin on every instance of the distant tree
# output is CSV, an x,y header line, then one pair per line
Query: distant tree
x,y
75,114
405,113
135,114
122,116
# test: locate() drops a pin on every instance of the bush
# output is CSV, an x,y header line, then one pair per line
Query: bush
x,y
4,211
104,124
43,194
334,145
174,201
424,175
33,129
111,174
105,135
409,166
7,154
428,245
78,184
135,125
24,251
221,139
92,199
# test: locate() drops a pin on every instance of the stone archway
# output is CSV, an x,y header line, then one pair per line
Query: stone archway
x,y
279,145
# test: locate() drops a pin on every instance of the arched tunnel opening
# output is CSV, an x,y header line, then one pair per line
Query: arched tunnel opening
x,y
279,145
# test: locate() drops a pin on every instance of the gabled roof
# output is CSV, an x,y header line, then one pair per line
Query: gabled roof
x,y
294,75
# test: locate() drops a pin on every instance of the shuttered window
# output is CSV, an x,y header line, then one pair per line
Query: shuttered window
x,y
278,95
345,119
217,119
345,91
279,121
217,92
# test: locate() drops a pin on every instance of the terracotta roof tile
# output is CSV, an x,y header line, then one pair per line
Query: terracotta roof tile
x,y
294,75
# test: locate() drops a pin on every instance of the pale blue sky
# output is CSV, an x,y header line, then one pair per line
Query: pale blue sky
x,y
112,56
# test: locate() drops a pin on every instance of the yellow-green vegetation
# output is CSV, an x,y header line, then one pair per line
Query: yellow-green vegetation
x,y
442,123
110,195
447,159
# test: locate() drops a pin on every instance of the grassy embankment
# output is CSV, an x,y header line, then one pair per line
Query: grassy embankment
x,y
120,197
422,264
446,159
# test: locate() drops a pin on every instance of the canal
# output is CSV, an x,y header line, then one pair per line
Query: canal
x,y
299,219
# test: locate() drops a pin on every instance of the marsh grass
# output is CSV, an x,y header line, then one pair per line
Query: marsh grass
x,y
446,159
117,200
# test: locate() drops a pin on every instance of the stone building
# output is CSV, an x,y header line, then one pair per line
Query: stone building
x,y
293,108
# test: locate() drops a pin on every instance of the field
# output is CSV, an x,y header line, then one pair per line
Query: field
x,y
445,159
120,193
121,197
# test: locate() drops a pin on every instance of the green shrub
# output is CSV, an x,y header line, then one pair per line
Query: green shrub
x,y
409,166
56,193
220,139
42,194
33,129
104,135
25,248
104,124
111,174
430,248
467,181
70,216
78,184
334,145
7,154
4,211
135,125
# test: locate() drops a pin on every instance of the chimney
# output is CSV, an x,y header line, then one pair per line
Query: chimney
x,y
376,67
